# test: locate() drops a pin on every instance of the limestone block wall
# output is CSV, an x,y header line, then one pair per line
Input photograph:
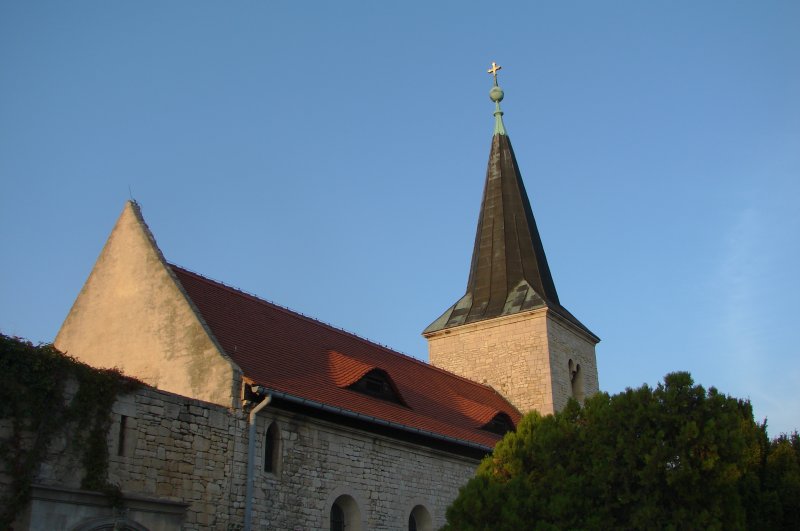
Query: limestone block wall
x,y
181,464
170,447
510,353
567,343
525,357
320,461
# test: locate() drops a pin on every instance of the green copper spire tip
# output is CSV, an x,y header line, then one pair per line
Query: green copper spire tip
x,y
496,95
499,128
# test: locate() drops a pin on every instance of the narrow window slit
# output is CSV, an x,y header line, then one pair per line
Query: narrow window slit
x,y
123,424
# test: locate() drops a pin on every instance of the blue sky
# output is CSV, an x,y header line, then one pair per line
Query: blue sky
x,y
330,157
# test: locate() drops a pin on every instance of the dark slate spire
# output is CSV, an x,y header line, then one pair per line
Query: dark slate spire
x,y
509,271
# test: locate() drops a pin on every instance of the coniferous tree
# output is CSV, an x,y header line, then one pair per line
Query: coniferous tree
x,y
674,457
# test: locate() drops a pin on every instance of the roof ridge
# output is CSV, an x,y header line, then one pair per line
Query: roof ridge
x,y
295,313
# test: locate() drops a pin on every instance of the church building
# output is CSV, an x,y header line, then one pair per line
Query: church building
x,y
257,417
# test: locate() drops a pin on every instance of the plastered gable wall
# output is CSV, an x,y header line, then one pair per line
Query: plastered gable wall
x,y
132,314
522,356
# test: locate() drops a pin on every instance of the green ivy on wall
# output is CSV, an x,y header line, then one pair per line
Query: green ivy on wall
x,y
34,410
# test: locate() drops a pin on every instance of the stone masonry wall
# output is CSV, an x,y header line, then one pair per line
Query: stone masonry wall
x,y
568,344
508,353
320,461
523,356
181,449
167,447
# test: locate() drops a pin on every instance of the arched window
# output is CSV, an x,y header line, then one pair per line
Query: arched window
x,y
272,449
420,519
576,380
345,515
337,517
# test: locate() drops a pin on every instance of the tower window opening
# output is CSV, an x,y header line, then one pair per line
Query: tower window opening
x,y
576,380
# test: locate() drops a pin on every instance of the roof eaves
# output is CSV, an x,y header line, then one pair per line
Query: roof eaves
x,y
375,420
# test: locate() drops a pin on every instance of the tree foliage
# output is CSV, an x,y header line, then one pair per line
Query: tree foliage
x,y
674,457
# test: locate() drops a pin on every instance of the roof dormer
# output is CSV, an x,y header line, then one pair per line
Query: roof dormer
x,y
376,383
365,378
500,424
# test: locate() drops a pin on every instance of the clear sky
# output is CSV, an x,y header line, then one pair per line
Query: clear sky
x,y
330,157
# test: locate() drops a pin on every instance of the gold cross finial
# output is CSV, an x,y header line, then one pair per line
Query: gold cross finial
x,y
493,70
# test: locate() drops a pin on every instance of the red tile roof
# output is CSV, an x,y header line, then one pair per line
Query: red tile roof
x,y
290,353
346,370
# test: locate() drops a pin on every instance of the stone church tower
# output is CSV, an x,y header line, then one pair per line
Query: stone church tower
x,y
509,329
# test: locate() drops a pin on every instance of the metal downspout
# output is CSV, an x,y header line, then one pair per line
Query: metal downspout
x,y
251,452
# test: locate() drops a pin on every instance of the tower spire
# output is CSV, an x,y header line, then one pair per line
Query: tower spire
x,y
509,330
509,271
